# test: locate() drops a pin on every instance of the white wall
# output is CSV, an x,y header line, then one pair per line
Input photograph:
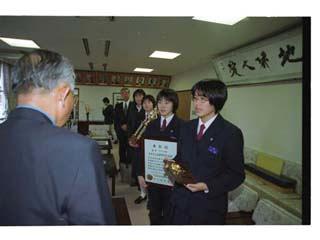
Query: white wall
x,y
270,116
93,95
185,81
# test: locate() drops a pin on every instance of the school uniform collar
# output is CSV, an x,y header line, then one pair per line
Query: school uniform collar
x,y
127,102
207,123
168,119
139,108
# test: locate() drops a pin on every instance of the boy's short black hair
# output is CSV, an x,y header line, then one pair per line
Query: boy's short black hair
x,y
169,95
214,90
106,100
150,98
138,91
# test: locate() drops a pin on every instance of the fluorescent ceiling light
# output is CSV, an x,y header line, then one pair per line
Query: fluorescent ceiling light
x,y
143,70
11,55
165,55
14,42
228,20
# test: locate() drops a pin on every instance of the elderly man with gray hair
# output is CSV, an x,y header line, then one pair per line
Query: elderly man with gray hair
x,y
48,174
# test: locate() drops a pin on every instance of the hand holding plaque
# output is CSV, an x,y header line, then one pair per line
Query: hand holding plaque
x,y
178,173
142,128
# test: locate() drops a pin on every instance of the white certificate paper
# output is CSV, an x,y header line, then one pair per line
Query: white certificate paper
x,y
155,151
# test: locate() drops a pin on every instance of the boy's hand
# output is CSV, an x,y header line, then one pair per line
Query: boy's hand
x,y
196,187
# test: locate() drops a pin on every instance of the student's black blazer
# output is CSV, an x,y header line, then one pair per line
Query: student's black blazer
x,y
134,119
171,132
108,114
217,160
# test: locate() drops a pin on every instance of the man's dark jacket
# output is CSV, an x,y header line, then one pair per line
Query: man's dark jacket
x,y
49,175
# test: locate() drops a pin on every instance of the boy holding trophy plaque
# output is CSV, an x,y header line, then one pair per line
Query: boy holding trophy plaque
x,y
210,162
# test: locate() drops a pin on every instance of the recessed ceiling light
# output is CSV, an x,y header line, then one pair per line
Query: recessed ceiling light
x,y
14,42
11,55
143,70
227,20
164,55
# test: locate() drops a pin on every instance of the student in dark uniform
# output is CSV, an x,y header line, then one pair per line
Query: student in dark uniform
x,y
212,149
148,104
107,111
135,113
108,114
167,125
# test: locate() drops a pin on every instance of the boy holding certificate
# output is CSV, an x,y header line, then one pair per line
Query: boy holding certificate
x,y
212,150
167,125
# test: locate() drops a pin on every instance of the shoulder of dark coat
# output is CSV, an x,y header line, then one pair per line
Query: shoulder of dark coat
x,y
232,128
71,138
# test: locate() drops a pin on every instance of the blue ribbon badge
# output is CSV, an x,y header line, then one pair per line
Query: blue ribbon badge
x,y
213,150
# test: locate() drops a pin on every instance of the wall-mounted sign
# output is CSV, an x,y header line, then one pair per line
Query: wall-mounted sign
x,y
121,79
273,59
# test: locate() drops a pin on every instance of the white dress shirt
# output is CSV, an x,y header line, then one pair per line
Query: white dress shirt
x,y
139,108
206,124
168,120
126,103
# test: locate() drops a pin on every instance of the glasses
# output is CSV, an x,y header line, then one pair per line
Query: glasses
x,y
75,98
200,99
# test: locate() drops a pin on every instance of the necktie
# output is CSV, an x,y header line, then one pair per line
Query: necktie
x,y
125,108
201,132
164,125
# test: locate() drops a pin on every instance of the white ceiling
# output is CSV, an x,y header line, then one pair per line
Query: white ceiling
x,y
133,39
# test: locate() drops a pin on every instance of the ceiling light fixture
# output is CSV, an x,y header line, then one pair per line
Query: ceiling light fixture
x,y
15,42
11,56
227,20
164,55
86,46
143,70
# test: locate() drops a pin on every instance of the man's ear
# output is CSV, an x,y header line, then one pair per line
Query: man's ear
x,y
62,92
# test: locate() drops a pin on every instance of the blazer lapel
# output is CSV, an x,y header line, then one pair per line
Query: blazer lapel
x,y
193,136
158,123
172,124
214,129
209,136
